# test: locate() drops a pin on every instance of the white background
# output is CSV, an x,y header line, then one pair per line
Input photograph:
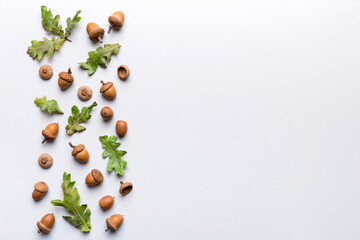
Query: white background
x,y
244,119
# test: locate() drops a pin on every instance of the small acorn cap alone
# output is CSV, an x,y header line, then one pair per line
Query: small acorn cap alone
x,y
66,76
105,86
84,93
123,72
45,72
45,160
125,188
41,187
97,175
76,149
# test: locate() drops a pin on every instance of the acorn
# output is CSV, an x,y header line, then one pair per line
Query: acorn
x,y
116,20
125,188
108,90
46,223
121,128
123,72
65,79
95,177
114,222
40,189
45,160
95,32
106,202
106,113
50,131
45,72
80,153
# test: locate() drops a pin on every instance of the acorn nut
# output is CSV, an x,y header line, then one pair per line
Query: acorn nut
x,y
125,188
80,153
46,223
45,72
45,160
84,93
65,79
106,202
116,20
121,128
106,113
95,32
50,131
95,177
114,222
40,189
108,90
123,72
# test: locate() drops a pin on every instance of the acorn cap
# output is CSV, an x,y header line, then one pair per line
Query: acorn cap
x,y
115,22
42,227
123,72
45,72
45,160
41,187
106,87
48,135
66,76
97,175
96,33
125,188
78,149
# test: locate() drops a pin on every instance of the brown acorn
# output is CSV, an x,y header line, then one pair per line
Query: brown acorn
x,y
95,32
46,223
106,113
106,202
40,189
95,177
114,222
116,20
125,188
121,128
80,153
108,90
50,131
65,79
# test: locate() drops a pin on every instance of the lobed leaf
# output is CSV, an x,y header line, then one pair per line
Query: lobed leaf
x,y
71,23
115,162
50,23
101,56
78,117
80,213
39,48
50,105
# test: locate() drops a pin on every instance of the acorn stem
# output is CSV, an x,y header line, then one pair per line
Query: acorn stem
x,y
100,40
69,71
109,29
39,231
121,182
102,82
44,140
71,145
68,39
106,230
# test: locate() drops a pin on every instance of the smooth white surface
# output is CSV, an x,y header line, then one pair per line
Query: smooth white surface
x,y
244,120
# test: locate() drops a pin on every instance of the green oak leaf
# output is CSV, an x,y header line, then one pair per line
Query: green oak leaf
x,y
39,48
101,56
115,162
78,117
50,23
80,213
50,105
71,22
